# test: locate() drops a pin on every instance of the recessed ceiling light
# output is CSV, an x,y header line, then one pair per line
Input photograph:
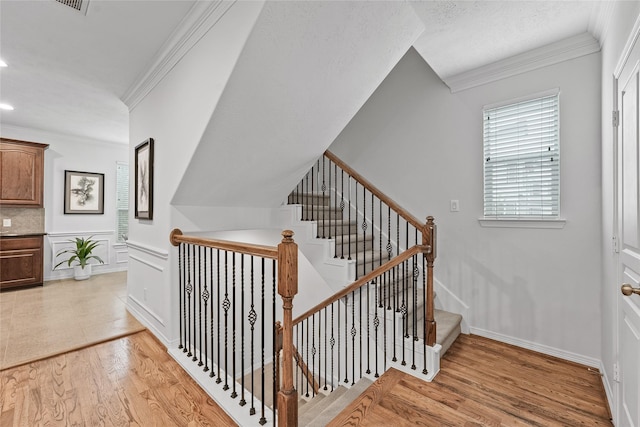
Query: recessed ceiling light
x,y
2,63
6,107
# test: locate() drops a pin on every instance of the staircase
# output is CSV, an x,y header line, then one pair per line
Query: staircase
x,y
350,238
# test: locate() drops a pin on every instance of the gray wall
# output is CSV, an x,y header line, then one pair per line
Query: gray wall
x,y
422,145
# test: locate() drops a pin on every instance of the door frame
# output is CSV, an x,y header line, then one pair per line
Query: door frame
x,y
632,39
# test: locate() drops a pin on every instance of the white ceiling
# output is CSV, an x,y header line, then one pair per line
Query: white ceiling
x,y
68,72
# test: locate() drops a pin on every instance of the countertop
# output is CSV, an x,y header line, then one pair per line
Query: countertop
x,y
20,234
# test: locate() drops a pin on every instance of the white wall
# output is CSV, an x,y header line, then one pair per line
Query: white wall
x,y
622,21
422,145
175,113
73,153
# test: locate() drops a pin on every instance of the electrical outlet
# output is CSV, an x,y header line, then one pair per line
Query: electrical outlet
x,y
6,222
454,206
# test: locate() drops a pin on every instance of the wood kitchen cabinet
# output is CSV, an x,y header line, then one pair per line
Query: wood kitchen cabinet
x,y
20,261
21,173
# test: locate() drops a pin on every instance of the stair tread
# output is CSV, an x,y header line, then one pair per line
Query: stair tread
x,y
311,404
328,412
326,400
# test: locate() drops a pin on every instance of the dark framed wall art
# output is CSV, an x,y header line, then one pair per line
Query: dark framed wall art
x,y
83,192
144,180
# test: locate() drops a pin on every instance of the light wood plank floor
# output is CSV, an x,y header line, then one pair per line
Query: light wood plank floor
x,y
131,381
62,315
485,383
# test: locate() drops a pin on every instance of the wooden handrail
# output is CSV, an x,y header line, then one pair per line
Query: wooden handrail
x,y
379,194
176,237
414,250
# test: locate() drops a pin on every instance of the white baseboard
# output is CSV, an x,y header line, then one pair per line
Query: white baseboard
x,y
68,272
135,312
608,390
540,348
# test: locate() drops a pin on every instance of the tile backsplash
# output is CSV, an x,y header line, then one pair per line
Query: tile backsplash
x,y
23,220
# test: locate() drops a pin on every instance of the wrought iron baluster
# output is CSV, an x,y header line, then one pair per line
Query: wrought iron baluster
x,y
252,321
312,195
356,227
325,348
242,399
392,276
262,336
353,337
324,189
199,337
364,231
211,326
305,344
380,232
405,320
330,204
234,303
218,359
349,212
376,324
338,305
313,354
384,328
389,246
415,311
368,371
205,298
226,305
189,290
360,325
181,292
332,341
373,241
342,205
346,342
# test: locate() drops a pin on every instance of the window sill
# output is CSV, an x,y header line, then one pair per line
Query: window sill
x,y
556,223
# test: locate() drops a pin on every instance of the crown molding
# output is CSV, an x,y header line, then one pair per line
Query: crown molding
x,y
198,21
570,48
600,20
35,134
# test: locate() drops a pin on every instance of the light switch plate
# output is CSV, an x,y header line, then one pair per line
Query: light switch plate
x,y
6,222
454,206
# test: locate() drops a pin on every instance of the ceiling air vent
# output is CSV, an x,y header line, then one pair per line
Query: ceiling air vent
x,y
79,5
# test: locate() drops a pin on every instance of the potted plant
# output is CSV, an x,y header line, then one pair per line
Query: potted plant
x,y
81,255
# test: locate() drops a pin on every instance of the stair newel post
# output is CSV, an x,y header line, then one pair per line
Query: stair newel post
x,y
429,242
287,288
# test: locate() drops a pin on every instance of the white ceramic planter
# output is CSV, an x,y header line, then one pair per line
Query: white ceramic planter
x,y
80,273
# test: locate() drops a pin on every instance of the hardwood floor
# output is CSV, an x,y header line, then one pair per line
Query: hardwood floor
x,y
485,383
128,381
133,381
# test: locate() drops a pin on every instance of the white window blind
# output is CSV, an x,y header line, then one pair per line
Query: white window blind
x,y
122,202
522,159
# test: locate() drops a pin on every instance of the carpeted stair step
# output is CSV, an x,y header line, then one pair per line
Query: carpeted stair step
x,y
323,413
320,213
317,199
333,227
353,241
447,328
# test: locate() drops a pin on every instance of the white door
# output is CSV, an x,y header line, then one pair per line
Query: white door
x,y
629,235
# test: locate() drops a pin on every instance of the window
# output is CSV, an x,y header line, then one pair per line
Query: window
x,y
122,202
522,159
